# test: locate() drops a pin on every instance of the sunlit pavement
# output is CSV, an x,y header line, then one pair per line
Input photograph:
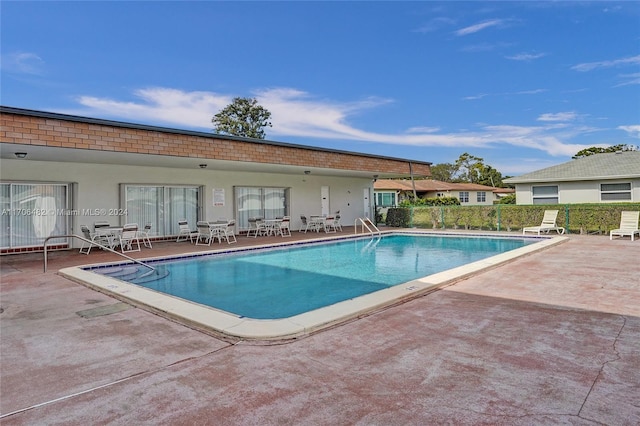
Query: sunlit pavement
x,y
551,338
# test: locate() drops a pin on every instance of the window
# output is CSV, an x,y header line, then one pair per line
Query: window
x,y
386,199
31,212
161,206
481,197
545,194
615,192
268,203
463,196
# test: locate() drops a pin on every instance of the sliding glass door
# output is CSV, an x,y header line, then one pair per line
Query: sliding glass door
x,y
161,206
32,212
268,203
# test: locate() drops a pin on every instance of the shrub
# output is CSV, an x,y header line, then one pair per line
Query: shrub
x,y
507,199
398,217
442,201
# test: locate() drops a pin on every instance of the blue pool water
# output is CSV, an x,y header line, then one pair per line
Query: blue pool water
x,y
279,283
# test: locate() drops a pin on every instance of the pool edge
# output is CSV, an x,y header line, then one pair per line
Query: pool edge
x,y
234,328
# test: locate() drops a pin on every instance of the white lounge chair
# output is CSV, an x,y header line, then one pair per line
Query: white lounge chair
x,y
548,224
628,225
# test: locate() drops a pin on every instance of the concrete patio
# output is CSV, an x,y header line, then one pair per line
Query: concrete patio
x,y
551,338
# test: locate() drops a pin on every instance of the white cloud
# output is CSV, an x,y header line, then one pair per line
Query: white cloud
x,y
630,79
475,97
530,92
522,92
479,27
423,129
23,63
633,130
295,113
175,107
558,116
588,66
526,56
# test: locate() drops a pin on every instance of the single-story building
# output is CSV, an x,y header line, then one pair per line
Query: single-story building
x,y
59,172
599,178
390,192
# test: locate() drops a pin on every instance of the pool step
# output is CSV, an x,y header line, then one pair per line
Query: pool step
x,y
135,274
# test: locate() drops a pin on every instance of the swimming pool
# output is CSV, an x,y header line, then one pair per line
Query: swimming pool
x,y
294,280
324,283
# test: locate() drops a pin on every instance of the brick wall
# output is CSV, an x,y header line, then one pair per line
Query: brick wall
x,y
34,130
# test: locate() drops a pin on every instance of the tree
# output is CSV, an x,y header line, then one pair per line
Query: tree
x,y
443,172
489,176
599,150
243,117
468,169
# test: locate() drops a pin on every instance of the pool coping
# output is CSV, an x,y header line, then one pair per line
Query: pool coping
x,y
236,328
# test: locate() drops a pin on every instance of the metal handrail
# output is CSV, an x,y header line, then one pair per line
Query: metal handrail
x,y
364,225
94,243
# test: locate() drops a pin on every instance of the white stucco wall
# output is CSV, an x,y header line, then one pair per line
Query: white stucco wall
x,y
576,192
98,187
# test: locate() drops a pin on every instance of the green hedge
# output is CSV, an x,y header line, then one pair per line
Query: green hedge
x,y
399,217
576,218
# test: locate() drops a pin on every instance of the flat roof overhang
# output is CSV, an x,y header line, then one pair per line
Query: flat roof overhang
x,y
39,147
70,155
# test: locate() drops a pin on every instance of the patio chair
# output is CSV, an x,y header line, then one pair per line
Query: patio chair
x,y
336,222
548,224
309,225
628,225
330,224
258,227
101,224
230,232
128,237
185,232
144,234
203,233
95,240
284,227
305,224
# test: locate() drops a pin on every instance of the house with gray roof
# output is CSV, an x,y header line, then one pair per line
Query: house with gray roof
x,y
599,178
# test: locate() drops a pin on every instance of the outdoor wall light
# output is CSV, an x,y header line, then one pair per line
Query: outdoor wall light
x,y
21,154
307,172
203,166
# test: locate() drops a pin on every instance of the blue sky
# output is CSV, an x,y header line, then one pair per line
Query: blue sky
x,y
523,85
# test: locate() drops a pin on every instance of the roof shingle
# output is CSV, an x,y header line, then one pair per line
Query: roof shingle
x,y
619,165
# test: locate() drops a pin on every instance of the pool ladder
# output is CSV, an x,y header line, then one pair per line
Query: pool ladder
x,y
365,222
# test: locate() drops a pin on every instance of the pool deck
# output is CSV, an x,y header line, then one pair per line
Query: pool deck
x,y
549,338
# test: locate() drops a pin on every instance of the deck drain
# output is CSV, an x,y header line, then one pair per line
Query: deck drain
x,y
104,310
